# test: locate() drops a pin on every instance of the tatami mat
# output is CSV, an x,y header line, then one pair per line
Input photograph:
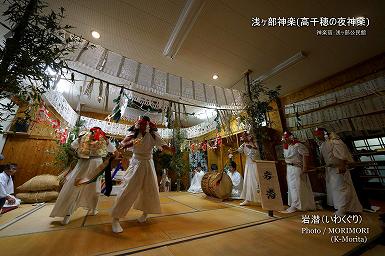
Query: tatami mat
x,y
188,225
280,237
8,216
39,221
197,202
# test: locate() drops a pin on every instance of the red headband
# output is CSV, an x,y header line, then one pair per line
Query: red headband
x,y
320,132
287,135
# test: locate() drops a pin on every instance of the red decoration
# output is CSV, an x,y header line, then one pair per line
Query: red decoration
x,y
204,145
192,147
98,132
219,140
43,115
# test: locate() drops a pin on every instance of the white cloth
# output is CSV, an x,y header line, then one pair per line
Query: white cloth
x,y
196,181
6,185
15,204
300,193
251,189
339,186
72,197
165,182
237,180
141,187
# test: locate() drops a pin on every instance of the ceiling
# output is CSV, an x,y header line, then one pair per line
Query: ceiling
x,y
222,40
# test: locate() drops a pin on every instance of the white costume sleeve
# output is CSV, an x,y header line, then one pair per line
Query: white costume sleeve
x,y
236,178
110,147
285,153
127,139
3,192
341,151
241,148
302,149
75,144
6,185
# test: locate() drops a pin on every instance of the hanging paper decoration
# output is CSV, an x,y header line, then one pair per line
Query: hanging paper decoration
x,y
55,123
185,114
60,104
116,113
218,122
124,106
73,77
298,121
63,134
89,88
100,96
169,116
43,115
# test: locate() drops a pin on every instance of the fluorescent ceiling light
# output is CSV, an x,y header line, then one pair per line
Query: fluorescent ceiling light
x,y
284,65
95,34
183,26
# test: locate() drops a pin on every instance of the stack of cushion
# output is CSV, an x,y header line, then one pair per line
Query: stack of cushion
x,y
41,188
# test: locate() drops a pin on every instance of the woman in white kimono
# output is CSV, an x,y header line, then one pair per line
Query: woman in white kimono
x,y
196,181
236,179
90,147
251,189
141,187
339,186
300,193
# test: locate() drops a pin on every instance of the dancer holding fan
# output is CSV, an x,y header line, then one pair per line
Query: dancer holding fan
x,y
90,147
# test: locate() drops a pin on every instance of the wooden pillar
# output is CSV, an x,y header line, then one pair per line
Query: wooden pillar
x,y
221,156
239,155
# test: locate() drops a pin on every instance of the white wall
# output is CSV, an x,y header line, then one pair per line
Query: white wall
x,y
5,124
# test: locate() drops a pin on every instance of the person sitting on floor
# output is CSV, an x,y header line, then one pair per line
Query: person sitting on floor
x,y
236,179
6,186
165,182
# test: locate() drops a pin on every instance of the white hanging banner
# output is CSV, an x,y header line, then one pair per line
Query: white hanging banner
x,y
60,104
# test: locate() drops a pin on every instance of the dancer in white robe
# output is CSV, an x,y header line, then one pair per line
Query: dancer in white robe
x,y
236,179
251,189
339,186
90,147
300,193
141,187
196,181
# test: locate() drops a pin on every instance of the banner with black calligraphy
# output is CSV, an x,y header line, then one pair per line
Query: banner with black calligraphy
x,y
271,198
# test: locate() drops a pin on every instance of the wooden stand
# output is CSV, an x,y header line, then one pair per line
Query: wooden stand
x,y
271,198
